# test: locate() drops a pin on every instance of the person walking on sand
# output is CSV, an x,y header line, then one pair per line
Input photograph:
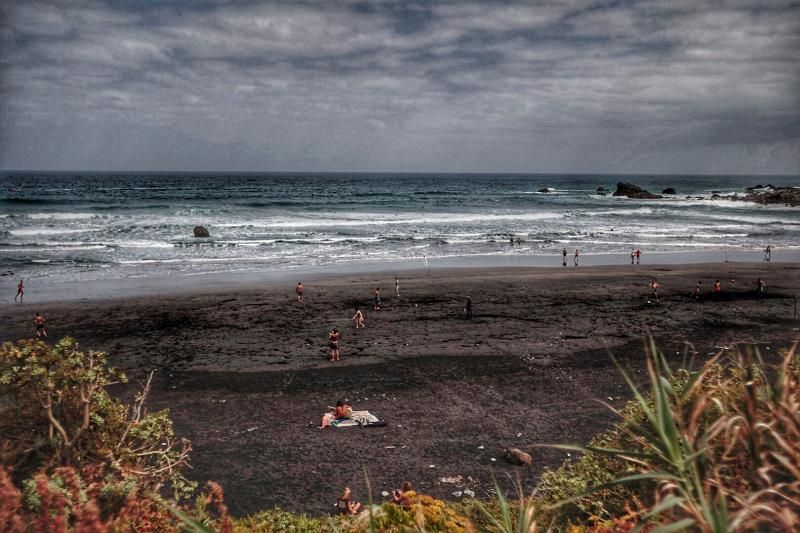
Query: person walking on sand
x,y
638,255
20,291
377,299
397,287
654,290
358,318
575,259
41,329
468,309
761,287
767,252
333,340
564,256
696,293
300,290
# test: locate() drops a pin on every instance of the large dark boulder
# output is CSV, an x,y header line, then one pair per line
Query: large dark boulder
x,y
200,231
634,191
669,190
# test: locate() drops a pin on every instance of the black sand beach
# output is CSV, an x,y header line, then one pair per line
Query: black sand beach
x,y
245,374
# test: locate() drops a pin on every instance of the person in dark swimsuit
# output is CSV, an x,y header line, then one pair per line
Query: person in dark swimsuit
x,y
468,309
333,338
20,291
564,256
300,290
377,299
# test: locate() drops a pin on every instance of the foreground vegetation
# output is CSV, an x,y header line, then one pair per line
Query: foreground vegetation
x,y
715,449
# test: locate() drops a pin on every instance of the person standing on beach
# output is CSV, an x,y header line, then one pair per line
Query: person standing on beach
x,y
358,318
300,290
633,255
564,256
767,252
575,259
377,299
717,287
397,287
696,293
654,290
20,292
468,309
41,329
638,255
333,342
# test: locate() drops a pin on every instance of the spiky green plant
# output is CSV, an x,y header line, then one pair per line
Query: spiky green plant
x,y
722,449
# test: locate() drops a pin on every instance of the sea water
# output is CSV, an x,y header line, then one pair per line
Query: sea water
x,y
79,227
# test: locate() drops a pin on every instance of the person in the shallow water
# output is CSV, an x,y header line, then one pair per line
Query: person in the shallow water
x,y
20,291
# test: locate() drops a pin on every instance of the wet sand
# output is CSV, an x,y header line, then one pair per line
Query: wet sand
x,y
244,371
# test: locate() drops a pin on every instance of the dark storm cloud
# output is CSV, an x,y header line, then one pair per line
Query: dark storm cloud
x,y
552,86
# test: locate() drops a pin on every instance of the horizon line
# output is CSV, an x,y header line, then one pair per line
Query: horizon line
x,y
409,173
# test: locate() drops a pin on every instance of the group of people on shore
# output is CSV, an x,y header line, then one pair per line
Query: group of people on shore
x,y
574,257
358,318
716,289
636,256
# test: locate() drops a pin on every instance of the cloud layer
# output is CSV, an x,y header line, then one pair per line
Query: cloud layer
x,y
690,86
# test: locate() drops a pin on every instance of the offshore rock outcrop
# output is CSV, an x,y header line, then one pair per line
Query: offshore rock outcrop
x,y
773,195
634,191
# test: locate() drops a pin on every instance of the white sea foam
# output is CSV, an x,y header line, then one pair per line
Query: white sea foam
x,y
26,232
61,216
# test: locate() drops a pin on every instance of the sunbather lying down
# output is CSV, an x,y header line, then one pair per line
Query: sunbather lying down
x,y
342,411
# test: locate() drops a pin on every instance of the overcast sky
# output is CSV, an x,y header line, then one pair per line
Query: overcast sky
x,y
683,86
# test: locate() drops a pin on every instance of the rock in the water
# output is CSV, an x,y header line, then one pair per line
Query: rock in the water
x,y
601,189
546,189
634,191
200,231
775,195
516,456
669,190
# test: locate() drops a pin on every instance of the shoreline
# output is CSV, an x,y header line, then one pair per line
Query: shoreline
x,y
53,291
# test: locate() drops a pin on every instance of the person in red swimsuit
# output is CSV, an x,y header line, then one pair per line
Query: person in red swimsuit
x,y
20,292
41,329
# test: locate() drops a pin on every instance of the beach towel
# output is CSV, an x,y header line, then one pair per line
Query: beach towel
x,y
357,418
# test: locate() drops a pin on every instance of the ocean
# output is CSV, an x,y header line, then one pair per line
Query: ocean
x,y
84,227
